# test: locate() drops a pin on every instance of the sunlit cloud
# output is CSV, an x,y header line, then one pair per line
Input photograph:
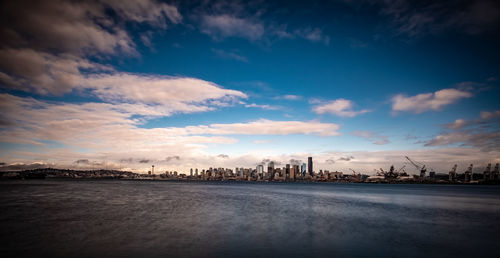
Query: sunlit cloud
x,y
339,107
428,101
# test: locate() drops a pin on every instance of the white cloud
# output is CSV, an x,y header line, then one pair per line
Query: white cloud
x,y
266,127
339,107
174,94
428,101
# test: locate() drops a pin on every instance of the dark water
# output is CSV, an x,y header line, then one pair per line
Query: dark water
x,y
51,218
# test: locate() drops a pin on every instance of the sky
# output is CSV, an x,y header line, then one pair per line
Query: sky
x,y
198,84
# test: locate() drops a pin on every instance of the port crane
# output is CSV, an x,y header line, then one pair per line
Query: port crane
x,y
468,174
421,167
453,173
487,172
389,174
354,175
494,174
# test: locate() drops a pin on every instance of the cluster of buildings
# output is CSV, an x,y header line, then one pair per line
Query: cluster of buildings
x,y
290,172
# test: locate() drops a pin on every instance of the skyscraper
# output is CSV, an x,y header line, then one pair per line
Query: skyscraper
x,y
270,170
303,169
260,169
310,166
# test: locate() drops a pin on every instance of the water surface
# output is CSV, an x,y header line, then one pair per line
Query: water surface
x,y
118,218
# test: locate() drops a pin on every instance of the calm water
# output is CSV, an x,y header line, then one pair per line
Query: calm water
x,y
55,218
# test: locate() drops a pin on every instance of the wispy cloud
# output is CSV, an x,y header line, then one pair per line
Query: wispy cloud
x,y
313,35
417,19
237,20
225,25
339,107
264,106
229,55
289,97
376,138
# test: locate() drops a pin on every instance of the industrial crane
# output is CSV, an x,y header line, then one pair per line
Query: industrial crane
x,y
421,168
354,175
487,172
453,173
402,173
468,176
389,174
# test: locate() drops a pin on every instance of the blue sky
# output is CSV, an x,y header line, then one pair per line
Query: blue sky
x,y
230,83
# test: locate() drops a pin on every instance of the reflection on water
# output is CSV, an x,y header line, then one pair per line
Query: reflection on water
x,y
55,218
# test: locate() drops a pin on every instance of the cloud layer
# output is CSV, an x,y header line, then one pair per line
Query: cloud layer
x,y
481,133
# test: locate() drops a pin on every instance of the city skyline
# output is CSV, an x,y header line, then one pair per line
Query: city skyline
x,y
354,84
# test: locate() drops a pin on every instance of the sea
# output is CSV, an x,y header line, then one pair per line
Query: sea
x,y
128,218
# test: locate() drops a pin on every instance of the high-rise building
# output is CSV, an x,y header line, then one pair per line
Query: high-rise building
x,y
310,166
293,172
270,169
260,169
287,171
296,170
303,169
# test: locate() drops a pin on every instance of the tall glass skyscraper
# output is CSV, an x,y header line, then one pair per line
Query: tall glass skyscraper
x,y
310,165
